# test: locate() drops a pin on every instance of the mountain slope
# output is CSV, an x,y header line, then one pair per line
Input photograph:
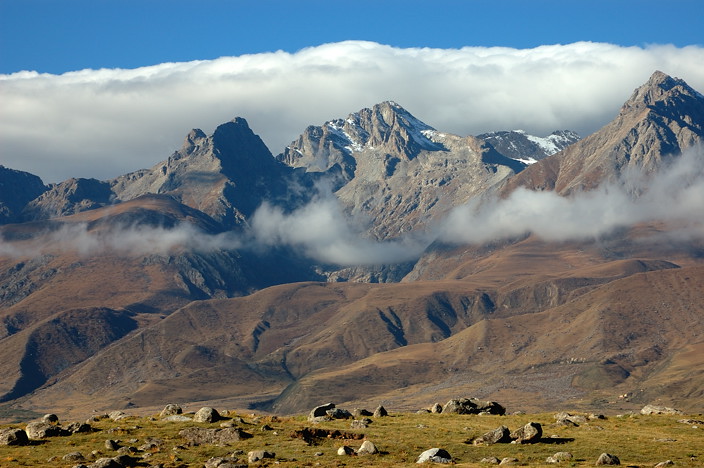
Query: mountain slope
x,y
518,145
661,119
396,172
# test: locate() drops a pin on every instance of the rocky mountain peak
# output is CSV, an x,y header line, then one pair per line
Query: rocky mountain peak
x,y
194,138
661,93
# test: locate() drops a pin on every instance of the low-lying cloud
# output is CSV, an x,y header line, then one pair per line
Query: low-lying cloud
x,y
675,196
103,123
323,232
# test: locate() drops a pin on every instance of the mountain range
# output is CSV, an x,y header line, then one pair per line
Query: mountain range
x,y
375,259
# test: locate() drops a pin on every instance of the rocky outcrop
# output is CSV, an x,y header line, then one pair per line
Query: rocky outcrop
x,y
17,188
435,455
526,148
528,434
655,409
223,436
473,406
607,459
499,435
13,436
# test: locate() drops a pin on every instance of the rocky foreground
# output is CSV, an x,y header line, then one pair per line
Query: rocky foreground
x,y
465,432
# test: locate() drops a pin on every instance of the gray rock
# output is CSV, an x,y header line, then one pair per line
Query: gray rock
x,y
435,455
13,436
654,409
380,412
338,413
50,418
79,427
111,444
607,459
499,435
206,415
223,436
345,450
490,460
664,464
73,457
257,455
224,462
509,461
367,448
117,415
473,406
436,408
177,418
559,457
360,423
105,463
358,413
170,410
41,430
320,413
528,434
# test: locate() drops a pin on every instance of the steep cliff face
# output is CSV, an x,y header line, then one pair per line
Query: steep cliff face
x,y
661,119
17,188
396,172
226,175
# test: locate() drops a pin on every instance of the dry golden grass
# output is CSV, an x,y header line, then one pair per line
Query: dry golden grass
x,y
637,440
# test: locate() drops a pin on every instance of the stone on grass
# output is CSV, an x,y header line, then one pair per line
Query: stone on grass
x,y
177,418
345,450
664,464
50,418
559,457
320,413
380,412
367,448
73,457
490,460
257,455
117,415
13,436
358,413
528,434
435,455
509,461
106,463
206,415
436,408
111,444
654,409
41,430
224,436
607,459
500,435
338,413
170,410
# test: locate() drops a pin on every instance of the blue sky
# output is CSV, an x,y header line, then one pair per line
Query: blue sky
x,y
57,36
121,82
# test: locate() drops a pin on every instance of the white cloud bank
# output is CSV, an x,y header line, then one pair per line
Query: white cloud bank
x,y
322,232
103,123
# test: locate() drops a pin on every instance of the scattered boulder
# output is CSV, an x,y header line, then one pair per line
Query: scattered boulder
x,y
79,428
380,412
177,418
490,460
690,421
473,406
509,461
13,436
224,462
206,415
345,450
106,463
566,419
664,464
528,434
117,415
73,457
41,430
436,408
112,444
50,418
170,410
367,448
435,455
320,413
257,455
559,457
607,459
223,436
358,413
498,436
360,423
338,413
654,409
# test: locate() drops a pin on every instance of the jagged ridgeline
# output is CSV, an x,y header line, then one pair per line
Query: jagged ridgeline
x,y
225,273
